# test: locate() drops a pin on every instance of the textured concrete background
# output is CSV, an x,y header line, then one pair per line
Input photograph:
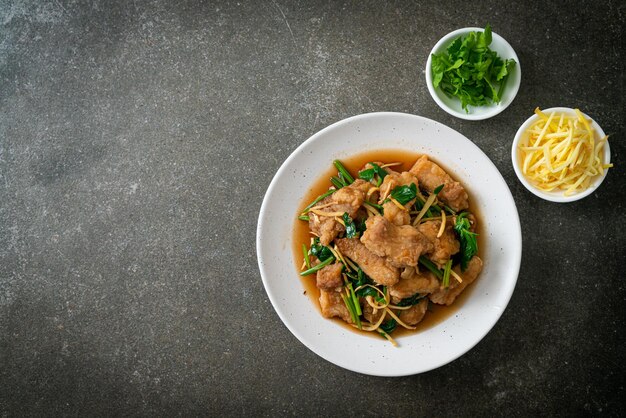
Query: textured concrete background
x,y
137,140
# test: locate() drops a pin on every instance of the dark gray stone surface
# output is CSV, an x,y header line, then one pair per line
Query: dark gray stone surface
x,y
136,143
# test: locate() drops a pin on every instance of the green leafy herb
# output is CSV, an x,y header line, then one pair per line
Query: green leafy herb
x,y
343,179
321,252
438,189
317,199
359,279
431,266
446,208
419,203
337,182
343,173
404,194
368,174
376,173
305,252
467,238
355,301
367,291
388,326
380,299
352,303
470,71
374,205
351,309
360,226
318,267
411,300
436,208
351,230
446,274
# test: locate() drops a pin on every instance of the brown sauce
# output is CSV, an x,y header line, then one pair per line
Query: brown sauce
x,y
436,313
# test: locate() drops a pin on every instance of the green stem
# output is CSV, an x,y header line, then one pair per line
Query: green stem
x,y
374,205
320,197
318,267
445,208
355,300
346,175
502,84
336,182
348,303
305,251
431,266
446,274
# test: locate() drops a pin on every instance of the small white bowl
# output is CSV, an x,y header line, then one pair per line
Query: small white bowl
x,y
452,105
557,196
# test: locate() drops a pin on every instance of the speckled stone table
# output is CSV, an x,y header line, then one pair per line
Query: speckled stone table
x,y
137,139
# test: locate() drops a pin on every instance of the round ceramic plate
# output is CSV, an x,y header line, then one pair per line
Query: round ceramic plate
x,y
417,352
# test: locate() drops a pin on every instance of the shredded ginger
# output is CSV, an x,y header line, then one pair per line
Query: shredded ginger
x,y
561,152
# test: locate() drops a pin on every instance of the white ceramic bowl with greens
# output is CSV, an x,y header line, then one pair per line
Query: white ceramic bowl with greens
x,y
452,105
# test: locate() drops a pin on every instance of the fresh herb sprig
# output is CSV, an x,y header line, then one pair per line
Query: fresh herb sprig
x,y
318,267
344,175
471,71
467,238
359,279
445,282
375,173
389,326
411,300
321,252
431,266
317,199
404,194
351,229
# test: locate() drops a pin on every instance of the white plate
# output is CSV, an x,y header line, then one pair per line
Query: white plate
x,y
417,352
452,105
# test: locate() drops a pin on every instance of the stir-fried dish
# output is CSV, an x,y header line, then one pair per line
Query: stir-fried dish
x,y
384,244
